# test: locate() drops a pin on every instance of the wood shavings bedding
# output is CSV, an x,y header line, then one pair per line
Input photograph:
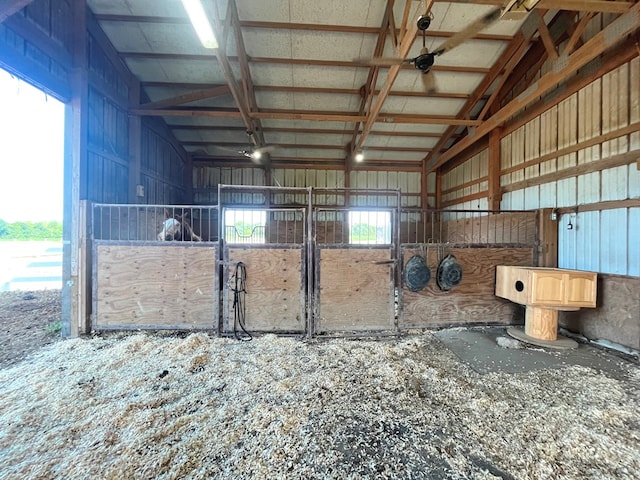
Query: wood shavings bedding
x,y
145,406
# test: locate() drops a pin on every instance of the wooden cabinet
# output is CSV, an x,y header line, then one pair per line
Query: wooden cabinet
x,y
556,288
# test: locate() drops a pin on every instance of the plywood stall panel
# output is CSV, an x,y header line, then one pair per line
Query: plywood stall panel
x,y
275,297
616,317
473,300
155,286
355,290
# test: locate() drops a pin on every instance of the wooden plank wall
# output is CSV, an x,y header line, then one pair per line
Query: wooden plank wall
x,y
162,166
171,286
616,317
471,302
275,284
44,59
355,290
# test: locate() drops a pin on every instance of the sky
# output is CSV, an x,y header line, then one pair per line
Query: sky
x,y
31,152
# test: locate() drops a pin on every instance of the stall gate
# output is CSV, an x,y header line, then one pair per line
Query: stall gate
x,y
355,269
264,271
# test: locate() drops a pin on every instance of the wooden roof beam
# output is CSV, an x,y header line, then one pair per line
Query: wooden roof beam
x,y
322,131
545,35
512,54
188,97
562,70
372,78
409,29
575,5
398,118
314,90
578,30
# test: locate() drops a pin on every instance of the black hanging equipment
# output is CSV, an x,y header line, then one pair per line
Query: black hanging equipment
x,y
449,273
416,273
239,310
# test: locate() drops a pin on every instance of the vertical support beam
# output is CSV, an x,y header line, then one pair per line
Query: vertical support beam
x,y
135,143
438,188
188,179
424,186
495,192
83,325
75,178
548,238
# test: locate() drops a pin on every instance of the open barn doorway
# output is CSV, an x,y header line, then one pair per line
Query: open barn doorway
x,y
31,211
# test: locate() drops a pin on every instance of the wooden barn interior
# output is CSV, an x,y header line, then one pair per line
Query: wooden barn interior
x,y
424,214
322,145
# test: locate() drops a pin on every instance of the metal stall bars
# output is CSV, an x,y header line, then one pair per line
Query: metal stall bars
x,y
355,263
154,267
268,246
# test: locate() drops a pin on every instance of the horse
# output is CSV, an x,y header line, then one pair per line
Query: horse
x,y
177,228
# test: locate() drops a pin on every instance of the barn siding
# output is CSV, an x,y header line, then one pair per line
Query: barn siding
x,y
45,58
599,239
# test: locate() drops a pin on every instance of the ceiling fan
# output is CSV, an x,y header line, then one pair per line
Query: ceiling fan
x,y
425,60
254,153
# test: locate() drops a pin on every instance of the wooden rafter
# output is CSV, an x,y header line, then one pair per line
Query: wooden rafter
x,y
305,146
310,131
256,127
578,30
545,36
292,61
511,65
406,41
292,26
372,78
313,90
574,5
399,118
605,39
188,97
513,51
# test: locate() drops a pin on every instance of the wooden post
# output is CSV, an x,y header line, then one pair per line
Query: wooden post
x,y
438,189
135,143
495,192
541,323
75,174
82,325
548,238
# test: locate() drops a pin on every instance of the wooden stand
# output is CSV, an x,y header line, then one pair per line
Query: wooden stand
x,y
545,291
541,323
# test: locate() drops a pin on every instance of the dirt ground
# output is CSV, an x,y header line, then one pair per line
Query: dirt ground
x,y
28,321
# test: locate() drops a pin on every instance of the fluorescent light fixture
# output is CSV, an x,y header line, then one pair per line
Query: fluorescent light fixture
x,y
198,18
359,157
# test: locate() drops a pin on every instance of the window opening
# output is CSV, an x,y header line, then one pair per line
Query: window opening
x,y
245,226
369,227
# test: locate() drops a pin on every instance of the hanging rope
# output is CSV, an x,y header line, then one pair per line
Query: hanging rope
x,y
239,290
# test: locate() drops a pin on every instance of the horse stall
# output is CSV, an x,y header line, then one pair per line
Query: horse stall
x,y
154,267
449,260
304,262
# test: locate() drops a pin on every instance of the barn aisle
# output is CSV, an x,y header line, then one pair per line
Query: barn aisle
x,y
160,406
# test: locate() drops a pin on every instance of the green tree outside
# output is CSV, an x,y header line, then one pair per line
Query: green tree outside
x,y
30,230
